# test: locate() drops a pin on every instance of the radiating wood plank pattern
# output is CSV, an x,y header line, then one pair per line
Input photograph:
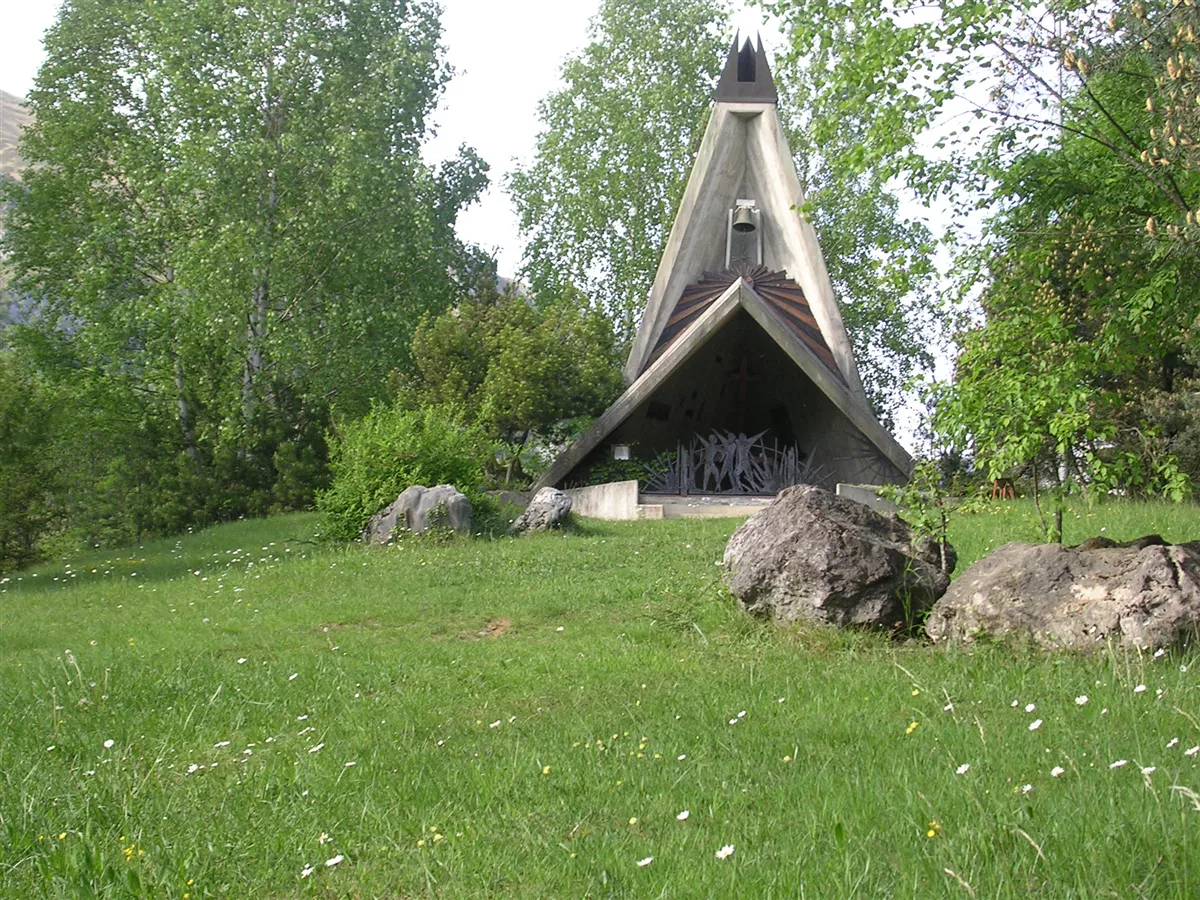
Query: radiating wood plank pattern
x,y
780,291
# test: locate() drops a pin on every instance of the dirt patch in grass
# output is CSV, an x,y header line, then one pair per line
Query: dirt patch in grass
x,y
365,624
493,629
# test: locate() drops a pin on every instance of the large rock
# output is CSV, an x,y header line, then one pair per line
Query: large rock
x,y
548,508
1144,594
813,555
418,509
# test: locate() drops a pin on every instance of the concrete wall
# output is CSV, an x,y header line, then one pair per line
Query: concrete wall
x,y
615,500
867,495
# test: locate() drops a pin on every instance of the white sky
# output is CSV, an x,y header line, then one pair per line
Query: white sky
x,y
506,54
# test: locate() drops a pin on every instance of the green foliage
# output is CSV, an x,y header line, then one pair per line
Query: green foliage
x,y
517,365
226,226
618,140
608,469
374,458
29,476
1065,128
1174,418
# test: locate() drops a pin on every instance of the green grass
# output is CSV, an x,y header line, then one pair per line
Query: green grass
x,y
385,659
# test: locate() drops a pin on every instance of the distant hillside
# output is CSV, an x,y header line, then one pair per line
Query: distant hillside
x,y
13,118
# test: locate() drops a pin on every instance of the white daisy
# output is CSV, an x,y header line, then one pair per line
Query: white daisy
x,y
725,852
1056,771
682,817
642,863
963,769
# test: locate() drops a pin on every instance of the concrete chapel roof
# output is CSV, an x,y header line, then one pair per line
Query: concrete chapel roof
x,y
747,76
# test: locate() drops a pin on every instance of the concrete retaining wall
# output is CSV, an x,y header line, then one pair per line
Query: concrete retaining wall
x,y
867,494
615,500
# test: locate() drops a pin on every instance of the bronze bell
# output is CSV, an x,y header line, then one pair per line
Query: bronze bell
x,y
743,220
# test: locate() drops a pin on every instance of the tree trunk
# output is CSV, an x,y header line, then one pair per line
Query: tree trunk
x,y
256,321
187,426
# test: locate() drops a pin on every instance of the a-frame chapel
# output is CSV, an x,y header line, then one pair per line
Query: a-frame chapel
x,y
741,380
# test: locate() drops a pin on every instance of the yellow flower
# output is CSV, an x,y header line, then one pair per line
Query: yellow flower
x,y
787,759
633,821
62,836
437,837
911,728
915,692
934,829
421,842
545,770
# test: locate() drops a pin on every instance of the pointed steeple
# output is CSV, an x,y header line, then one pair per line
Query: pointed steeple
x,y
747,76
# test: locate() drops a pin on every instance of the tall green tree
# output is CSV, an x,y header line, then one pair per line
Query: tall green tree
x,y
517,368
618,140
1060,134
226,213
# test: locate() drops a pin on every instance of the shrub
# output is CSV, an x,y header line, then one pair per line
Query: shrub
x,y
376,457
28,474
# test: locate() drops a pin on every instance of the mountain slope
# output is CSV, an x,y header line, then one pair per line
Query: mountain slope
x,y
13,117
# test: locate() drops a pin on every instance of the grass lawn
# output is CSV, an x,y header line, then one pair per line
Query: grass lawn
x,y
534,718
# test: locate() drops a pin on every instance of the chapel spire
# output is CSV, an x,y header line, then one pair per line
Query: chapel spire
x,y
747,76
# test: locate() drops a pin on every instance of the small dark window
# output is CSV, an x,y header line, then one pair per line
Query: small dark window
x,y
660,411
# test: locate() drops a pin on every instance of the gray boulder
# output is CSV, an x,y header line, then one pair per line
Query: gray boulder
x,y
418,509
814,555
1144,594
548,508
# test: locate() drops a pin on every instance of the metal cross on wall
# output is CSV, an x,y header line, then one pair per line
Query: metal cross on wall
x,y
743,377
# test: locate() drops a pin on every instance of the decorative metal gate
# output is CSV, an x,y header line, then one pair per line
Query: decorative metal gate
x,y
727,463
